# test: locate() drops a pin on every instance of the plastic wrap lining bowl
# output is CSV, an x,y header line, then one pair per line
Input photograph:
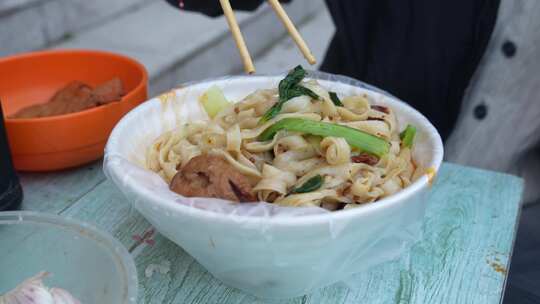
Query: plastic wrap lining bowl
x,y
262,249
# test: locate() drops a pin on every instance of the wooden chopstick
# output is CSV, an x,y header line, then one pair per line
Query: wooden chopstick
x,y
237,35
293,32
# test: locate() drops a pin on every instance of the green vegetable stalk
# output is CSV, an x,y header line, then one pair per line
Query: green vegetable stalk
x,y
310,185
213,101
356,138
289,88
407,136
335,99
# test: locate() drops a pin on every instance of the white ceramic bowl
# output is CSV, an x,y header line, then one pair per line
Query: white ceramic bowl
x,y
269,252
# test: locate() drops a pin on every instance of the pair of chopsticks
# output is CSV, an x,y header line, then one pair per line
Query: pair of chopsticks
x,y
241,44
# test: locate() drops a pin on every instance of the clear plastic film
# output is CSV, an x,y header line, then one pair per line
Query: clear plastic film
x,y
263,249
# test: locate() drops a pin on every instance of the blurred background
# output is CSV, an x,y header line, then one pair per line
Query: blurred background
x,y
174,45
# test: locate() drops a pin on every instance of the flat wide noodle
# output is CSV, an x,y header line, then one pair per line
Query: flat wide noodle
x,y
290,159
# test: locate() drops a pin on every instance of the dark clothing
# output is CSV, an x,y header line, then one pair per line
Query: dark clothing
x,y
524,276
422,51
212,8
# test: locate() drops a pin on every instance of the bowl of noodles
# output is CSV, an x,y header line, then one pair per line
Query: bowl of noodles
x,y
279,185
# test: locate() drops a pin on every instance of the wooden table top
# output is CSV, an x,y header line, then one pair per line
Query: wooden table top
x,y
469,230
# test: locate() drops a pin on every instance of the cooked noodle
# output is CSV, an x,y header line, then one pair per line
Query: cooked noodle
x,y
286,162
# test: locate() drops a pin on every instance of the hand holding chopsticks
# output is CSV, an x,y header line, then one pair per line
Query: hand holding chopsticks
x,y
241,44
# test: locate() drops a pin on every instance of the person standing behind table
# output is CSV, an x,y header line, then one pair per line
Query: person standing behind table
x,y
472,67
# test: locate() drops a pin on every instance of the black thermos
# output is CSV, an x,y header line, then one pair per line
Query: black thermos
x,y
10,189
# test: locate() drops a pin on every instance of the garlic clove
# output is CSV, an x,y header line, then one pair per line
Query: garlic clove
x,y
61,296
32,294
31,290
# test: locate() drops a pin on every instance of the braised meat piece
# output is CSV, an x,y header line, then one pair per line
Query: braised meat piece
x,y
112,90
365,158
212,176
75,97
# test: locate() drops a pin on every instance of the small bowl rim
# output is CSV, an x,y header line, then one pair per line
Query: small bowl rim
x,y
117,250
398,198
138,87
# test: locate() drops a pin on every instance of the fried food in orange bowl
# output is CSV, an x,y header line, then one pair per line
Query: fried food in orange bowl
x,y
54,140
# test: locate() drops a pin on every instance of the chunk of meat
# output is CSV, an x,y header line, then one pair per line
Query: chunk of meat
x,y
381,109
212,176
365,158
74,97
28,112
112,90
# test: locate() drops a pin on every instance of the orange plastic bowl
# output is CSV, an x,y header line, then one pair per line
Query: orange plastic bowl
x,y
64,141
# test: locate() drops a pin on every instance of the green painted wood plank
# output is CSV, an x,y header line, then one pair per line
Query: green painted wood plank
x,y
106,207
56,191
186,282
469,230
